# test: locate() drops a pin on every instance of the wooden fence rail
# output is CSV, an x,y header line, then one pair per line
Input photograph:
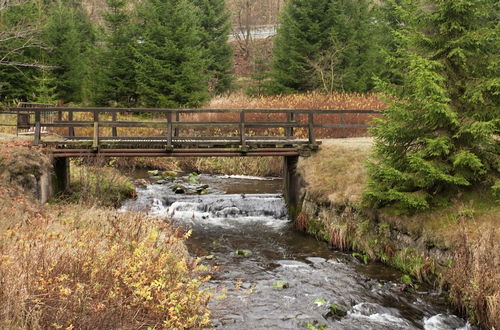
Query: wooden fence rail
x,y
169,121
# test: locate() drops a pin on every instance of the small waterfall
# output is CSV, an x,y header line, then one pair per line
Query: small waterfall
x,y
216,210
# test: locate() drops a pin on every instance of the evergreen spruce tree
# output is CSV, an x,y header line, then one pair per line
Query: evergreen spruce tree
x,y
304,32
170,68
316,38
45,90
354,33
117,57
67,49
214,19
440,132
390,22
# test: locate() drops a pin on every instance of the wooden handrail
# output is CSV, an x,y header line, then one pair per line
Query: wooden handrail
x,y
174,124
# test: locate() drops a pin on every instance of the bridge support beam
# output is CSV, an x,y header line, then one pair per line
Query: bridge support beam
x,y
54,180
292,185
60,176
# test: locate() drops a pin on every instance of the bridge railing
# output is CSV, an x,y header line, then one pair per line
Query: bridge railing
x,y
169,123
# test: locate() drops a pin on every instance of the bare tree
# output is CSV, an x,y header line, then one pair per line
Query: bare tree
x,y
325,69
248,15
17,38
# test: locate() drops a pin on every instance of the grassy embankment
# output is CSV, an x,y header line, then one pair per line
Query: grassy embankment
x,y
467,230
78,265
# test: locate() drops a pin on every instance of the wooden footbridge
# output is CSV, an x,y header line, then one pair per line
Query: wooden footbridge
x,y
125,132
139,132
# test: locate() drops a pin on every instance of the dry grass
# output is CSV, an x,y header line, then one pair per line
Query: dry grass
x,y
74,267
311,100
337,173
7,121
253,166
474,276
99,185
20,168
307,101
81,267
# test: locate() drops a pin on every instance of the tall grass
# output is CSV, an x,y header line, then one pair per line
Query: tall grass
x,y
98,184
474,274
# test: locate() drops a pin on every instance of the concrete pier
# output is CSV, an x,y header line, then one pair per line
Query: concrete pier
x,y
292,185
54,180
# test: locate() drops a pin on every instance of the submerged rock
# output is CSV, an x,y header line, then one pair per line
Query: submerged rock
x,y
336,312
141,182
168,174
244,253
281,284
202,190
178,189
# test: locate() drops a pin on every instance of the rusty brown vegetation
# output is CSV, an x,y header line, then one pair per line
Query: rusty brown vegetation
x,y
76,266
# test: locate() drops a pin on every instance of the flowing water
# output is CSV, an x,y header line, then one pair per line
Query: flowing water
x,y
271,276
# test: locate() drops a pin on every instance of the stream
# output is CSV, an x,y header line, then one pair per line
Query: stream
x,y
271,276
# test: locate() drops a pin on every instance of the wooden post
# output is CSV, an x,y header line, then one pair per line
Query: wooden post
x,y
169,129
290,117
71,130
312,137
177,119
288,131
242,129
114,129
38,128
95,143
291,185
343,129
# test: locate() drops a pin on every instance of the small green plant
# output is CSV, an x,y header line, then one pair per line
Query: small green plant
x,y
193,177
315,326
320,301
362,257
406,279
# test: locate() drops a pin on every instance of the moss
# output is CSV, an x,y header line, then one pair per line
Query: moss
x,y
294,210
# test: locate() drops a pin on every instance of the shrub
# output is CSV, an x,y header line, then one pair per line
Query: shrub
x,y
98,269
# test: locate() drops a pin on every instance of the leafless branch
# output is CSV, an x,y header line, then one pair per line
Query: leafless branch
x,y
325,68
16,39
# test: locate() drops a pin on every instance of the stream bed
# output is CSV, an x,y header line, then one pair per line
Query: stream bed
x,y
271,276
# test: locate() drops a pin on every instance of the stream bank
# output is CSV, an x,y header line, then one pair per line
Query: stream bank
x,y
454,248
